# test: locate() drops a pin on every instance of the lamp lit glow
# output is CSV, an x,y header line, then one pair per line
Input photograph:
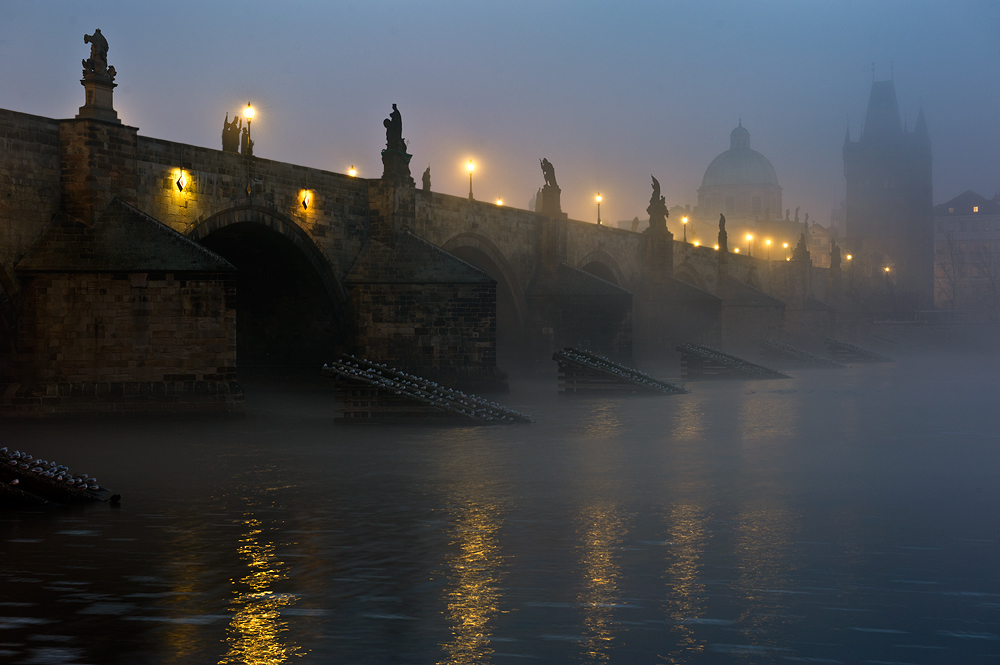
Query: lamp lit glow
x,y
849,257
598,198
696,243
248,112
306,199
181,182
684,220
886,268
352,171
736,251
499,202
470,166
785,245
768,242
749,237
716,248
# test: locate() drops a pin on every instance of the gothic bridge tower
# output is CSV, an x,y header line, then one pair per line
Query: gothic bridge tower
x,y
889,199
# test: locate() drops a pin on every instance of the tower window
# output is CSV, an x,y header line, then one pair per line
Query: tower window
x,y
975,208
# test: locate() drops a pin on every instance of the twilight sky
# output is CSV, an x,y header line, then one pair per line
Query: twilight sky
x,y
608,91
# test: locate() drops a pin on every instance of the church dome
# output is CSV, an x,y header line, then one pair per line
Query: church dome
x,y
740,165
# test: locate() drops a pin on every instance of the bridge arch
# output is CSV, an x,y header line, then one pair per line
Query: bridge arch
x,y
685,272
290,304
512,308
601,264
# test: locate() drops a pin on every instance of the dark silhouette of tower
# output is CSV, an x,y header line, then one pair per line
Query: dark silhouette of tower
x,y
890,215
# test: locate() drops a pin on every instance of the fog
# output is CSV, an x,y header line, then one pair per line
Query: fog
x,y
839,516
609,92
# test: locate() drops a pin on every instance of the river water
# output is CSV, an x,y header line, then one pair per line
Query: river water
x,y
843,516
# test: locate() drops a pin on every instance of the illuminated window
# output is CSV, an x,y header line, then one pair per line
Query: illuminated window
x,y
951,210
975,208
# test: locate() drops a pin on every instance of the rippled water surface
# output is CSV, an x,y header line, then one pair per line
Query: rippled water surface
x,y
838,517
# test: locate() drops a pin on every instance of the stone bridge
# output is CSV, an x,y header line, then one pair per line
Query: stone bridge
x,y
324,260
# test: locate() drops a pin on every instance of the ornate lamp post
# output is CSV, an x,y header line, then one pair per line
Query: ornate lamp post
x,y
248,114
684,221
598,198
768,243
749,238
471,167
785,245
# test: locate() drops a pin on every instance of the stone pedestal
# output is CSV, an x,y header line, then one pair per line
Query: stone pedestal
x,y
100,99
657,254
549,204
396,165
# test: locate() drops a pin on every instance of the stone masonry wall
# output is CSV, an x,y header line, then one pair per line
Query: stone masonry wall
x,y
108,327
336,219
29,182
445,331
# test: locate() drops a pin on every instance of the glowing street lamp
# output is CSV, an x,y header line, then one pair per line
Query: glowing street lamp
x,y
785,245
684,221
749,237
352,171
849,257
768,243
471,167
248,113
598,198
499,202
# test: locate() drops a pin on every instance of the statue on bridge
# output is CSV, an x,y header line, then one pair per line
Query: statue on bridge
x,y
801,252
426,179
395,159
394,131
723,236
246,145
834,255
231,134
657,209
97,64
548,204
549,173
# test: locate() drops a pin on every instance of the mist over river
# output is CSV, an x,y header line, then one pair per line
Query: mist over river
x,y
842,516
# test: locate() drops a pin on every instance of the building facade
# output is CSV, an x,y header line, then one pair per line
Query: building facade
x,y
967,254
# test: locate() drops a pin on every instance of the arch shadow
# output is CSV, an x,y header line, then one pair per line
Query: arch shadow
x,y
482,253
685,272
601,264
291,308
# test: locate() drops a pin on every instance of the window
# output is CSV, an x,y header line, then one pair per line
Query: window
x,y
975,208
951,210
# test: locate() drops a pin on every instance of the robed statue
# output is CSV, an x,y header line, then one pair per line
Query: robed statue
x,y
231,134
657,209
549,173
834,255
97,63
426,178
394,131
723,236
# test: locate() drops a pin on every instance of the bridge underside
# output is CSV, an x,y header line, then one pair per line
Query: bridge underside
x,y
284,315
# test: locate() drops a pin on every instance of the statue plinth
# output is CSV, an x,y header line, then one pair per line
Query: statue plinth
x,y
100,99
396,165
550,206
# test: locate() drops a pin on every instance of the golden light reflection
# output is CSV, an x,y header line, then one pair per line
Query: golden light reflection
x,y
256,631
474,592
603,528
688,536
764,542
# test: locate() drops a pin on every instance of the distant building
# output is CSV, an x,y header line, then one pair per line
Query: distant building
x,y
741,184
889,199
967,254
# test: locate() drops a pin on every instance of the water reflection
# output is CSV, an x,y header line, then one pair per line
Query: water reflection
x,y
688,537
603,527
256,631
763,548
473,597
